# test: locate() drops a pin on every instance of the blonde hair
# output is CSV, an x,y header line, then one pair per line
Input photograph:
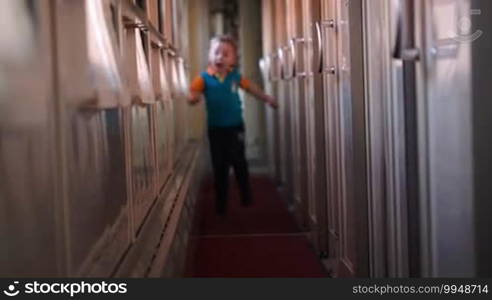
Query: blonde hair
x,y
223,39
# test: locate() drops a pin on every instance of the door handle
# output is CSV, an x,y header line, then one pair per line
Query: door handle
x,y
294,42
449,47
281,63
332,25
331,70
275,67
445,48
318,65
263,63
288,62
272,67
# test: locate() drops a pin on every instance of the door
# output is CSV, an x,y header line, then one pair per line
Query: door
x,y
343,231
418,95
297,70
444,117
391,134
328,61
315,139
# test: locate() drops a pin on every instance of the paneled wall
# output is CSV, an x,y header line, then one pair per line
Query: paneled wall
x,y
307,65
99,135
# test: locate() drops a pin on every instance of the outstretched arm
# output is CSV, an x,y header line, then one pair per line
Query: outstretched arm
x,y
194,97
258,93
196,89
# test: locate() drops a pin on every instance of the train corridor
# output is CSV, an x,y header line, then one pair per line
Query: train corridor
x,y
262,240
366,124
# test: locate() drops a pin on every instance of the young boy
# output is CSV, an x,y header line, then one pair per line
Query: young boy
x,y
220,86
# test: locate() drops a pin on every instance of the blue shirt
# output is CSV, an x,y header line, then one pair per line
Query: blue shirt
x,y
223,104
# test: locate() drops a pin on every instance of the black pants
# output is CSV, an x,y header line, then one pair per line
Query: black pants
x,y
227,148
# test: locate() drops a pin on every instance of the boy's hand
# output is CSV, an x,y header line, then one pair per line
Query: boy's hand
x,y
193,98
193,101
271,101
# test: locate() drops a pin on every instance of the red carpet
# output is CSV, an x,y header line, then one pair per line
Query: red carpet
x,y
268,214
262,240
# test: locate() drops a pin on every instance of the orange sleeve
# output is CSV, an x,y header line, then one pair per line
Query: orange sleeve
x,y
198,84
245,83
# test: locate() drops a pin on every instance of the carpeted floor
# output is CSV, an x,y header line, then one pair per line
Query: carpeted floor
x,y
262,240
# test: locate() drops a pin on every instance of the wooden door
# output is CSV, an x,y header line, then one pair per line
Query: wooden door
x,y
334,30
315,138
444,118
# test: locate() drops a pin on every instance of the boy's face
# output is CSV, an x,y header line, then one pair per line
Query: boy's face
x,y
223,57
